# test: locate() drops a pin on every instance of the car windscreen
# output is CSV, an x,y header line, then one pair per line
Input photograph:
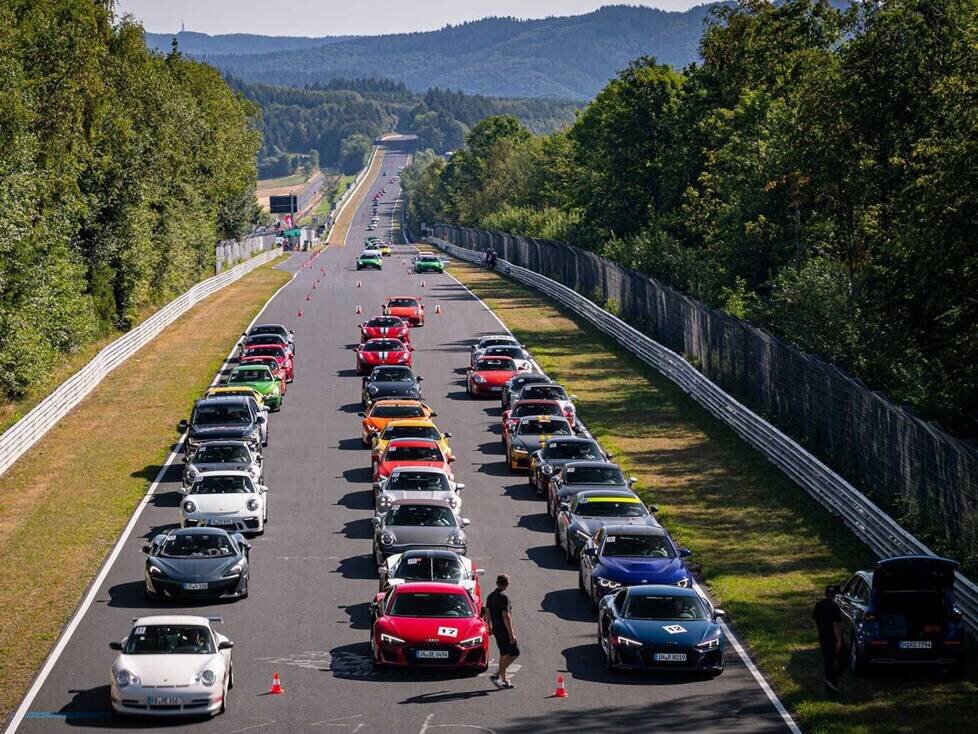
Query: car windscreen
x,y
269,362
609,475
545,409
638,546
212,545
419,481
169,639
543,392
402,303
220,415
370,254
384,345
427,516
384,322
571,450
494,341
532,427
494,364
429,259
508,351
217,454
397,411
610,507
253,375
269,329
392,374
392,432
222,485
664,607
417,604
422,568
265,339
265,352
396,452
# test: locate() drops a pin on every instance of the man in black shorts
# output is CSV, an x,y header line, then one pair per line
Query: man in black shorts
x,y
499,617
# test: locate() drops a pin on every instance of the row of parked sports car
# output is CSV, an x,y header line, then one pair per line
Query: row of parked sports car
x,y
180,664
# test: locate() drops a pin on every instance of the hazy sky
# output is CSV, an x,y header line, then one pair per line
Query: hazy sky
x,y
349,17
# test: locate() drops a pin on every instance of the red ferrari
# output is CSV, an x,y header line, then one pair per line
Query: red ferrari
x,y
417,452
272,364
374,352
409,308
489,374
524,408
428,624
282,357
384,327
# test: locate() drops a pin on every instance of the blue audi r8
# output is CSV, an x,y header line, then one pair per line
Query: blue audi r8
x,y
630,555
659,627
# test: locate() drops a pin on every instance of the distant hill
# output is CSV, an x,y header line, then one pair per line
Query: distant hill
x,y
560,57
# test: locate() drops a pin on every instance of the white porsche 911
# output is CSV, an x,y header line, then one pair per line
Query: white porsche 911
x,y
491,340
421,564
172,665
226,499
416,483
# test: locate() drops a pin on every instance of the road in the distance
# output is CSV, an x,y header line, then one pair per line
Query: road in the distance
x,y
313,575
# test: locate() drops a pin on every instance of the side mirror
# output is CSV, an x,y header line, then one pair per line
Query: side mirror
x,y
466,522
182,426
573,398
225,645
459,487
291,332
361,415
685,552
410,348
420,378
115,646
259,419
147,548
186,459
564,505
376,486
718,613
446,434
451,459
480,572
434,414
375,521
589,552
632,480
653,509
259,458
374,606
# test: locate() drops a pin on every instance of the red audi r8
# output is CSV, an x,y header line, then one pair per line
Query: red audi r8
x,y
409,308
282,357
374,352
428,624
524,408
488,375
385,327
416,452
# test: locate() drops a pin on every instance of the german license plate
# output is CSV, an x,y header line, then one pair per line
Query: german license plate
x,y
495,388
916,644
164,701
436,654
222,521
195,587
670,657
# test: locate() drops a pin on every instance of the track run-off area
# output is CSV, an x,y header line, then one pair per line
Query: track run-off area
x,y
313,575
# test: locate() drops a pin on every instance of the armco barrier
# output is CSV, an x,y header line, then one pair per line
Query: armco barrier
x,y
869,523
17,439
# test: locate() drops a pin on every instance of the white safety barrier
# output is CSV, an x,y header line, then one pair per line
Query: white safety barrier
x,y
17,439
871,524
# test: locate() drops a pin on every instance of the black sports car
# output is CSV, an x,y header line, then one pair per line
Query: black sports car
x,y
197,563
556,452
513,386
390,381
579,476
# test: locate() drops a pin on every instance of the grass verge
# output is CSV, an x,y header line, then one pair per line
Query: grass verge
x,y
763,546
94,466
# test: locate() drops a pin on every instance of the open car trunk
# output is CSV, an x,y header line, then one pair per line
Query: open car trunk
x,y
914,595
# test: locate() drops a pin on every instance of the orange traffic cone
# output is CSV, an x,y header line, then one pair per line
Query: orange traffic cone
x,y
277,685
437,308
359,310
561,692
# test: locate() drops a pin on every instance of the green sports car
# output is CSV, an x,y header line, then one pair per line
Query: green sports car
x,y
260,378
370,259
427,263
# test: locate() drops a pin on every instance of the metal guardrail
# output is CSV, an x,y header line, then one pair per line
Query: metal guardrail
x,y
884,536
17,439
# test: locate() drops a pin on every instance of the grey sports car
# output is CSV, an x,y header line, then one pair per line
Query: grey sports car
x,y
411,524
530,434
390,381
580,476
197,563
557,452
221,455
579,519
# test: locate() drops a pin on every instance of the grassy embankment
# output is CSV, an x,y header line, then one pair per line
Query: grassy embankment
x,y
94,466
764,548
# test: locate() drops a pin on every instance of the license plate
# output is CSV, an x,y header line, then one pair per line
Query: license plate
x,y
195,587
495,388
222,521
916,644
165,701
670,657
437,654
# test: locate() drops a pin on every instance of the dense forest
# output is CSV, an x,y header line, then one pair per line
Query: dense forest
x,y
339,119
119,170
814,174
568,57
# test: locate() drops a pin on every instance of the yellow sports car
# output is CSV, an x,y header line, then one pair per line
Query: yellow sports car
x,y
385,249
409,428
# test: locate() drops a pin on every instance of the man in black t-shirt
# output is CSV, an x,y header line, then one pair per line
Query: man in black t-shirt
x,y
498,615
828,622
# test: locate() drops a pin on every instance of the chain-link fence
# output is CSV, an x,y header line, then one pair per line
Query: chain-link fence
x,y
927,479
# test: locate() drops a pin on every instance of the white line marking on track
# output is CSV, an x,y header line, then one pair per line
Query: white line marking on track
x,y
427,724
263,724
93,590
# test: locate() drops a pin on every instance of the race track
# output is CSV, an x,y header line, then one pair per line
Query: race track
x,y
313,576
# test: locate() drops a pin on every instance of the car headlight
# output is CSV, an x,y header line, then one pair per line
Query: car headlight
x,y
125,679
547,469
472,642
235,570
155,571
709,644
373,389
479,378
387,539
414,391
456,539
252,504
386,639
207,677
384,502
625,641
608,583
191,473
189,507
683,582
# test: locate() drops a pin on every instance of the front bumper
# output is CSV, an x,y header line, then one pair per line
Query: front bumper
x,y
194,700
484,389
407,656
245,522
221,588
519,460
643,658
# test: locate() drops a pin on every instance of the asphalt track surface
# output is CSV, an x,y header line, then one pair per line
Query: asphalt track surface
x,y
312,574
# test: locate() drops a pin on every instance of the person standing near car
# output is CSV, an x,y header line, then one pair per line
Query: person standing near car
x,y
828,622
498,614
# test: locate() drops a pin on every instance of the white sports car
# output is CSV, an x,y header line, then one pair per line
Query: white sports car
x,y
227,499
172,665
221,456
491,341
519,355
430,565
416,483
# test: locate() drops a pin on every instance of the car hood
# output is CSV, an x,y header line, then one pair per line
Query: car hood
x,y
263,386
496,377
682,632
402,310
168,670
195,568
386,389
207,503
412,534
418,494
434,630
529,442
225,431
632,571
569,490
